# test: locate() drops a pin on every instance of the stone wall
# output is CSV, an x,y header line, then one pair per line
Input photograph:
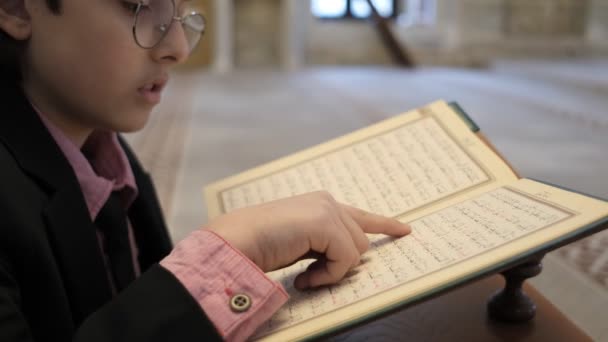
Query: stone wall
x,y
467,32
490,29
342,42
546,17
257,33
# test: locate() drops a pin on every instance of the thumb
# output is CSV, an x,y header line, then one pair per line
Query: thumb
x,y
319,273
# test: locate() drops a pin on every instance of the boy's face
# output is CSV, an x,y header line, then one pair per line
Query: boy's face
x,y
84,64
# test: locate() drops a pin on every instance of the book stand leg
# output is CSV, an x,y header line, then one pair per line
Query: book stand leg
x,y
511,304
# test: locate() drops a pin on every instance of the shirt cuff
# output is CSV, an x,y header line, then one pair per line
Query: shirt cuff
x,y
213,272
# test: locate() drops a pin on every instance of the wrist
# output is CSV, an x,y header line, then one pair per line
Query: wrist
x,y
242,243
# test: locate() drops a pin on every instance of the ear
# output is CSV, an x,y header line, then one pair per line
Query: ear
x,y
14,19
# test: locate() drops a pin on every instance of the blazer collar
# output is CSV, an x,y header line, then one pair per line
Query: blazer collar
x,y
31,144
71,232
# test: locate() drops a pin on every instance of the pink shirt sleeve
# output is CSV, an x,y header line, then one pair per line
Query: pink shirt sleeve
x,y
213,272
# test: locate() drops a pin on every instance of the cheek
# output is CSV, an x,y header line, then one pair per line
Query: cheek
x,y
96,64
91,68
107,62
87,52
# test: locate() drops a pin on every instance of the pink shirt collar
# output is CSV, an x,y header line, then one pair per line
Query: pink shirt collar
x,y
108,170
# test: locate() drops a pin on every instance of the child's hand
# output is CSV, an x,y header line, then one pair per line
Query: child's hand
x,y
279,233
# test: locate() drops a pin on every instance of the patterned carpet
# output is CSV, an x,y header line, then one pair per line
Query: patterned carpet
x,y
590,257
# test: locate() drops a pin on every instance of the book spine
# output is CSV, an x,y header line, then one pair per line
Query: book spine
x,y
467,119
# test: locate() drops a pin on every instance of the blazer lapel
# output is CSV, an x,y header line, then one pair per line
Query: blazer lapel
x,y
76,248
71,232
146,217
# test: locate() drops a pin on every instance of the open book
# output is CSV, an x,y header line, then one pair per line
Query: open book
x,y
470,213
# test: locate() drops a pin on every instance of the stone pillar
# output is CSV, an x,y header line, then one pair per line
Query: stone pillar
x,y
597,24
294,15
223,60
448,20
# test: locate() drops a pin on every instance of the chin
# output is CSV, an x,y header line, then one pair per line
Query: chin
x,y
136,122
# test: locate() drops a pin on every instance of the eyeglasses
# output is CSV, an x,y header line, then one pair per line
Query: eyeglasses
x,y
153,19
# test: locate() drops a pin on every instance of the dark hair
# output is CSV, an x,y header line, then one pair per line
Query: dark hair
x,y
10,50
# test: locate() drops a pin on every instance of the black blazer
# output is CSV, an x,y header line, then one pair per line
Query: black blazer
x,y
53,284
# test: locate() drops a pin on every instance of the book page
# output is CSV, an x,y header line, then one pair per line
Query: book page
x,y
444,245
390,174
393,168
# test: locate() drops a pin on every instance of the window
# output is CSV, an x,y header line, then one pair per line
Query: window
x,y
358,9
418,12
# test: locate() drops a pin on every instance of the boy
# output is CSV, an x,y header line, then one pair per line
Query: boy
x,y
84,251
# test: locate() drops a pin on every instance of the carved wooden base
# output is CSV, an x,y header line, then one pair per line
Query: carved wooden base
x,y
511,304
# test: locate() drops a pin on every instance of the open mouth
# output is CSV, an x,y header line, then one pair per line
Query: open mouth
x,y
152,92
154,87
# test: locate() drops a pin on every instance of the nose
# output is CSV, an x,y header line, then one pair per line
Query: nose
x,y
173,49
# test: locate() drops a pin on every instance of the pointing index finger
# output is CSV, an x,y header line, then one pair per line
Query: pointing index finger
x,y
377,224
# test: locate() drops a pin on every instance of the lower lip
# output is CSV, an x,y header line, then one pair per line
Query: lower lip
x,y
151,96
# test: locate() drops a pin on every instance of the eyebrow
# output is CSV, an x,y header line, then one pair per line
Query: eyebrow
x,y
180,4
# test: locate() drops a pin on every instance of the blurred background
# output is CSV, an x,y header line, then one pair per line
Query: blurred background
x,y
272,77
296,33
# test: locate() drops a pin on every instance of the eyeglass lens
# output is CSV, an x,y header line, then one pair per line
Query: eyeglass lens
x,y
154,20
194,26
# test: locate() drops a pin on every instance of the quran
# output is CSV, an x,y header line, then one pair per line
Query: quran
x,y
471,215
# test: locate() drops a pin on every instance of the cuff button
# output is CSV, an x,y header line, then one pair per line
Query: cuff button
x,y
240,303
